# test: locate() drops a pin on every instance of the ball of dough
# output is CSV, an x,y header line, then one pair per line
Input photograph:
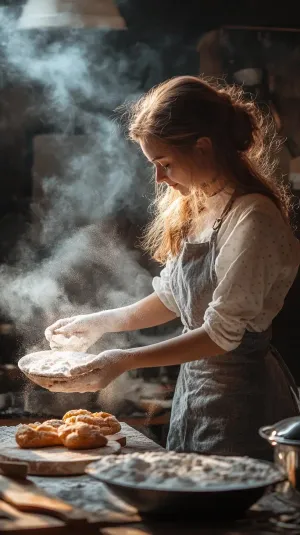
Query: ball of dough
x,y
81,436
37,435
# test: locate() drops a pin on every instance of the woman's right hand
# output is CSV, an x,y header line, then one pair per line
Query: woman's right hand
x,y
76,333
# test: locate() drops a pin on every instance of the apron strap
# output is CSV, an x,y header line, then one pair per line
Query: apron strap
x,y
218,222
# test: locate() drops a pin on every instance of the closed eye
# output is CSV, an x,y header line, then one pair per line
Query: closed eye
x,y
165,167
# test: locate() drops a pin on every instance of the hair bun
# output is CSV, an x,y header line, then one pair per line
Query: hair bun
x,y
241,128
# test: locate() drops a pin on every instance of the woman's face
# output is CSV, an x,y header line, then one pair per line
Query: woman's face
x,y
172,170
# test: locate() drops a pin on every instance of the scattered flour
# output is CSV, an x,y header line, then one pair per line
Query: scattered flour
x,y
184,471
61,342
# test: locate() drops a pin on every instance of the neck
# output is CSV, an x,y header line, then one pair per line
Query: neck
x,y
215,184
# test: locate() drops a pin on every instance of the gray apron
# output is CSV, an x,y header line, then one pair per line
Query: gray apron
x,y
220,402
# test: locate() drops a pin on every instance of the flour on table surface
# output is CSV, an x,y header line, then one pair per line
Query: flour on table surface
x,y
88,494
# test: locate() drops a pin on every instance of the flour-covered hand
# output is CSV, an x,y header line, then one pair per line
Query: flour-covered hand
x,y
104,368
76,333
111,364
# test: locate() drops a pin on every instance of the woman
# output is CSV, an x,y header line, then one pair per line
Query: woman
x,y
222,232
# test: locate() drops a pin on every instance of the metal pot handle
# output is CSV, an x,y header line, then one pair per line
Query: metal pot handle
x,y
265,432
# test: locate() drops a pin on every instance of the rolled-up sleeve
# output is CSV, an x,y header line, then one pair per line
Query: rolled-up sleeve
x,y
255,268
161,286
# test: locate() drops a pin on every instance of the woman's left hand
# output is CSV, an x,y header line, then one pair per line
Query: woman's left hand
x,y
112,363
108,366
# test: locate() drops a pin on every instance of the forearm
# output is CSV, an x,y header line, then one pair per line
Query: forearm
x,y
148,312
184,348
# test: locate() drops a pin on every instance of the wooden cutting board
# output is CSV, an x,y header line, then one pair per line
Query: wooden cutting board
x,y
16,522
58,461
26,507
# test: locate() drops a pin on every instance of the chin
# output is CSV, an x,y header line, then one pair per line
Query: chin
x,y
181,189
184,191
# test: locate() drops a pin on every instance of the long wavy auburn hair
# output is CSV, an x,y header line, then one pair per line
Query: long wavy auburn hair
x,y
180,111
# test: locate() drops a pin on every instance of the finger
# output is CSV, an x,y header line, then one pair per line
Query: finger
x,y
54,345
57,325
48,334
70,328
59,342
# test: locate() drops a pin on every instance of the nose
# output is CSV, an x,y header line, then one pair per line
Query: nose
x,y
160,175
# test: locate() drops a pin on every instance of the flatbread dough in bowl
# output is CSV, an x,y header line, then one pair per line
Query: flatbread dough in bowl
x,y
62,371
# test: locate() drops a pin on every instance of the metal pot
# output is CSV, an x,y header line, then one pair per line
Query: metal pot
x,y
285,437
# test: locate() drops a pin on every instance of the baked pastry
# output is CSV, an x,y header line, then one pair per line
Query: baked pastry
x,y
37,435
54,423
75,412
81,436
108,420
107,423
102,414
79,429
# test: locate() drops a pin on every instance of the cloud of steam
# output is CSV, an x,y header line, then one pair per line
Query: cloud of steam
x,y
77,79
74,67
93,176
91,270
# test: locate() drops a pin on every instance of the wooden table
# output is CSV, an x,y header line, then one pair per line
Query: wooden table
x,y
93,496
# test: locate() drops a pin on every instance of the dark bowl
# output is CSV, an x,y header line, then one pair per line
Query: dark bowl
x,y
228,502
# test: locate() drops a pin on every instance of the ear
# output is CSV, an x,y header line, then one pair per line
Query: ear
x,y
204,144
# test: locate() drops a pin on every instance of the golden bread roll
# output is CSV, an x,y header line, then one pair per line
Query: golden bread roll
x,y
108,424
102,414
81,436
54,423
37,435
75,412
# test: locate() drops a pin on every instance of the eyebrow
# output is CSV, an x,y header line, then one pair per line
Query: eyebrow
x,y
157,158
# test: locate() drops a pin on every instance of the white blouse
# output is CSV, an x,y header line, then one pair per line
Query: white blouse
x,y
257,261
